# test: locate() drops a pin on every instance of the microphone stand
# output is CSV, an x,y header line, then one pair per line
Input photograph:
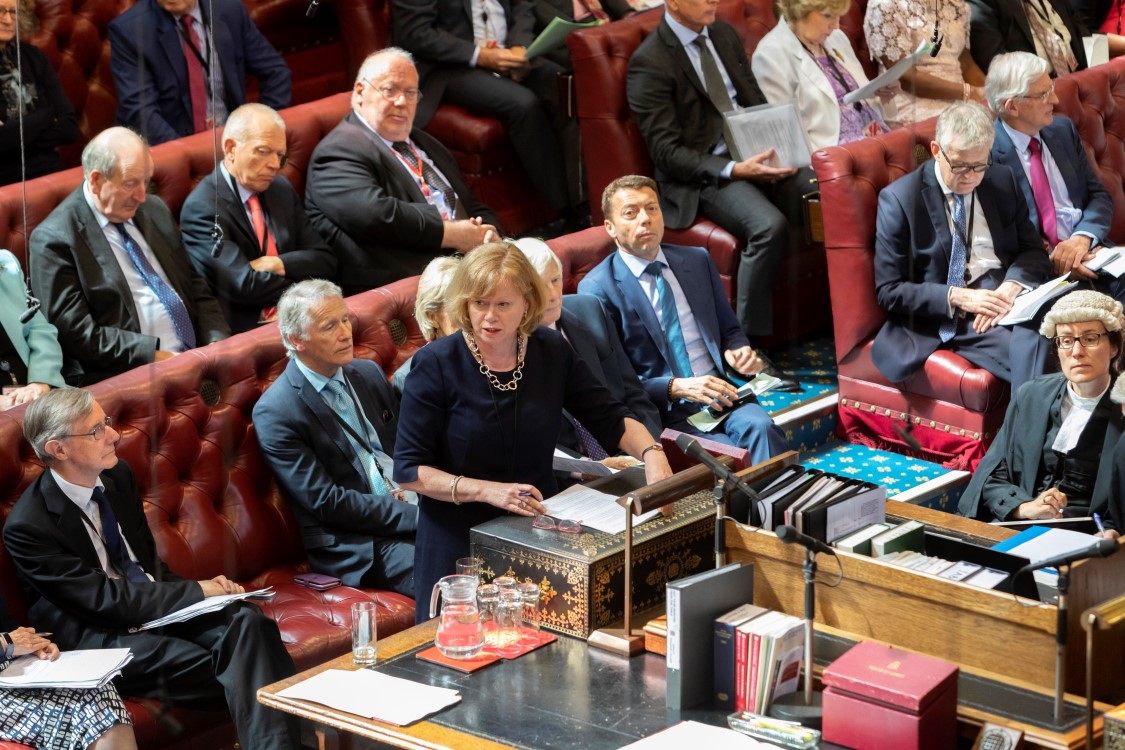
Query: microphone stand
x,y
721,494
806,707
1060,643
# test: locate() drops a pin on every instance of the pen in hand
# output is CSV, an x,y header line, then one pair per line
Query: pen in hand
x,y
1098,522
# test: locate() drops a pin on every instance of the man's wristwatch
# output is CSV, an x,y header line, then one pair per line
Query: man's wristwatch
x,y
653,447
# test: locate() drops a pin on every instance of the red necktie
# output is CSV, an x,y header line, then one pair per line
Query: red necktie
x,y
196,84
269,314
1041,190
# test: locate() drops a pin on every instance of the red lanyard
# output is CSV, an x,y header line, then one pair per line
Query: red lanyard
x,y
416,171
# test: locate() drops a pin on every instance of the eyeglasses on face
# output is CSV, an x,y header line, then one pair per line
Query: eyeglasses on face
x,y
1088,341
12,13
1045,96
392,93
97,433
964,169
550,523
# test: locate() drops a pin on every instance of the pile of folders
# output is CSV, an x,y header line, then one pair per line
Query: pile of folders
x,y
825,506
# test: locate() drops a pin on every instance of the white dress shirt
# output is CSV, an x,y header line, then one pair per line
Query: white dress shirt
x,y
83,497
1075,414
1066,215
151,313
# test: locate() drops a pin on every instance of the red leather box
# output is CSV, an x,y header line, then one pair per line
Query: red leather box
x,y
881,698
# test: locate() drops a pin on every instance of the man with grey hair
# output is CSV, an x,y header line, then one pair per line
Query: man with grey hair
x,y
1065,198
327,428
386,195
83,549
111,271
953,249
267,242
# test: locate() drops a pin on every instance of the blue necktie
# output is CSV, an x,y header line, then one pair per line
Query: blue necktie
x,y
342,404
956,275
181,320
670,319
114,545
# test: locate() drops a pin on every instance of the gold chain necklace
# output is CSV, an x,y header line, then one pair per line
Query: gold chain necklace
x,y
517,374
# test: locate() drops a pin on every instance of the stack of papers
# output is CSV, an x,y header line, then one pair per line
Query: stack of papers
x,y
1027,304
73,669
696,734
210,604
373,695
593,509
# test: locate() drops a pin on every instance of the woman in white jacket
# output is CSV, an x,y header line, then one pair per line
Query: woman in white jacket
x,y
807,60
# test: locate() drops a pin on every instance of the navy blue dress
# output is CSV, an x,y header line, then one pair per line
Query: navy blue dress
x,y
452,419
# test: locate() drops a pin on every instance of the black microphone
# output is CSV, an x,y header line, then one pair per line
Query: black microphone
x,y
692,449
33,306
312,8
790,535
217,235
1100,548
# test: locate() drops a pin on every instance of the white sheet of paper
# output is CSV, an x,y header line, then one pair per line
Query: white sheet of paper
x,y
209,604
594,509
696,734
373,695
1052,542
889,76
766,126
1096,47
1027,304
1114,266
84,668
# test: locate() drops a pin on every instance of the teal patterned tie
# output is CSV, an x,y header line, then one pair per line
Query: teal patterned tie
x,y
343,405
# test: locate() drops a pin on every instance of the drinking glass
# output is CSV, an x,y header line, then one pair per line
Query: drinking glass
x,y
529,595
509,617
468,566
488,597
363,633
505,582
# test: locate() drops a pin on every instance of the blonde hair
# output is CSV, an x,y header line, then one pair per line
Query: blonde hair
x,y
486,268
430,297
795,10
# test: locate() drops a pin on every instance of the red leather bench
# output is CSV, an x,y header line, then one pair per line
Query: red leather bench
x,y
211,500
614,147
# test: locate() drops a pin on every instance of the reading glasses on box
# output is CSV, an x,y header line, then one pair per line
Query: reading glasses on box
x,y
550,523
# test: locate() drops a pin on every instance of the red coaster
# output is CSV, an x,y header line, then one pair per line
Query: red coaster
x,y
483,659
517,649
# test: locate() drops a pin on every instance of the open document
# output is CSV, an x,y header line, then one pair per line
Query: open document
x,y
89,668
888,76
592,508
1028,304
1109,259
210,604
568,464
776,126
373,695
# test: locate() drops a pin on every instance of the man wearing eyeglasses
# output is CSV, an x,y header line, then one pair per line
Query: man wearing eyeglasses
x,y
387,196
267,242
1051,459
85,553
953,249
1065,199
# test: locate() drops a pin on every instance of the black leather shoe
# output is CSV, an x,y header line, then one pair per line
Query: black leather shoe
x,y
788,382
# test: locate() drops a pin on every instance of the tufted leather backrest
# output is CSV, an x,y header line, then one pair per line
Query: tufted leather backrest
x,y
600,55
186,431
179,166
1093,99
851,177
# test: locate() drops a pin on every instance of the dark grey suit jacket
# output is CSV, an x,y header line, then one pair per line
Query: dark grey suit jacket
x,y
548,10
676,118
69,593
241,290
999,26
593,335
76,276
439,33
371,211
321,475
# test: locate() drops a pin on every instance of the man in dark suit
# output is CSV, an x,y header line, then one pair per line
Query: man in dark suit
x,y
388,197
112,273
83,549
1047,28
1049,162
678,92
941,291
673,319
472,54
161,57
584,323
268,243
327,429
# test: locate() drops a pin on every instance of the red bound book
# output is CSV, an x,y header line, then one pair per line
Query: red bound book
x,y
741,646
882,698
